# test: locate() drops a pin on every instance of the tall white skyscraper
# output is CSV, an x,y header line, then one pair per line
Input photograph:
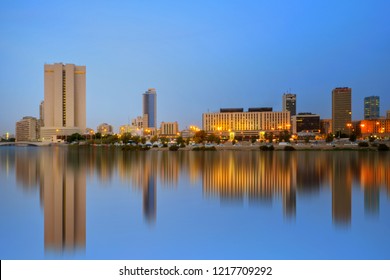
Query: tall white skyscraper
x,y
64,101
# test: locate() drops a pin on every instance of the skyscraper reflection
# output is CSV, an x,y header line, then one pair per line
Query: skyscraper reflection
x,y
64,195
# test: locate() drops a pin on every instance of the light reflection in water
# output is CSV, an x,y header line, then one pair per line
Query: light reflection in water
x,y
256,177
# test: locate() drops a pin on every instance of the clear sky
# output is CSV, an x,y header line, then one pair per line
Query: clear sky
x,y
199,55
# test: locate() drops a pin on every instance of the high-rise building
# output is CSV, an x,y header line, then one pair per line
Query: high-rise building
x,y
341,109
290,103
150,109
388,114
27,129
371,107
65,101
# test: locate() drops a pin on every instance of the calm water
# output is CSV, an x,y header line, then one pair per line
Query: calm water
x,y
102,203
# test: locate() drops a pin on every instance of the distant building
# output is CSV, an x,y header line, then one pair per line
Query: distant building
x,y
169,129
326,126
105,129
341,109
242,123
377,127
388,114
138,122
133,130
64,109
305,122
289,103
150,109
27,129
371,107
41,113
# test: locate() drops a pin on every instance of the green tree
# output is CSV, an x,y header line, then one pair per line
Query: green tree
x,y
154,139
180,141
98,135
353,137
269,136
253,139
329,138
136,138
284,136
200,136
75,137
126,137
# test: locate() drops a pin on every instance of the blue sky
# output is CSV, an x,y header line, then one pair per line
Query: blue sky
x,y
199,55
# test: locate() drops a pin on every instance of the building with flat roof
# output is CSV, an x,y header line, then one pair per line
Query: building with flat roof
x,y
305,122
150,109
341,109
245,123
27,129
64,109
371,107
289,103
169,129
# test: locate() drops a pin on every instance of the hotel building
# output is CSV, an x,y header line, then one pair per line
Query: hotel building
x,y
64,106
341,109
250,123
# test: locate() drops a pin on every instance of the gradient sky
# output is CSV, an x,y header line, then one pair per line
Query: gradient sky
x,y
199,55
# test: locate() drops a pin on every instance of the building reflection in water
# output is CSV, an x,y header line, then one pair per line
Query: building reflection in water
x,y
252,176
64,196
62,184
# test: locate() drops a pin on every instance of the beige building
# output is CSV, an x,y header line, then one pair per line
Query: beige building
x,y
169,129
27,129
341,109
388,114
64,102
253,122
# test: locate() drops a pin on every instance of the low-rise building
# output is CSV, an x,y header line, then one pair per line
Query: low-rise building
x,y
169,129
305,122
251,123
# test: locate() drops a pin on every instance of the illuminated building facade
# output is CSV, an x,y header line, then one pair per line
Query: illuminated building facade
x,y
378,127
64,106
252,122
371,107
341,109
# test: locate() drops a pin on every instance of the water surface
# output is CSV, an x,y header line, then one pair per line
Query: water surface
x,y
102,203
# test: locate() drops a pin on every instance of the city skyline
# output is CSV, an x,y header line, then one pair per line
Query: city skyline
x,y
199,56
